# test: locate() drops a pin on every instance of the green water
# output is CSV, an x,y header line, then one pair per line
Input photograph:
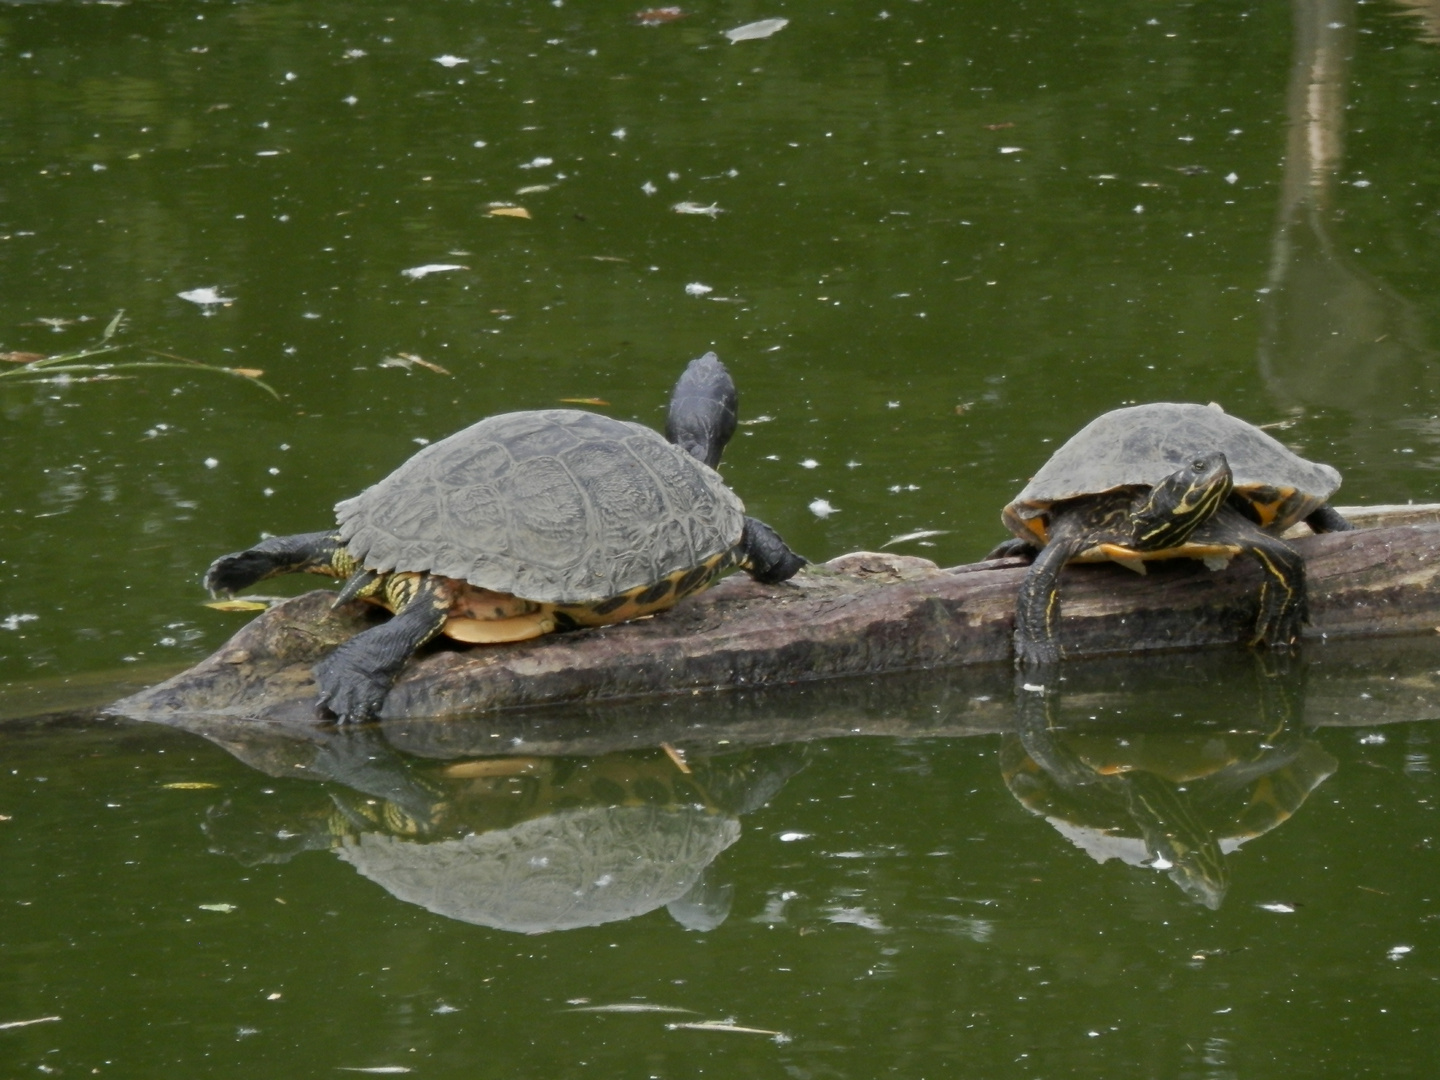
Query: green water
x,y
943,236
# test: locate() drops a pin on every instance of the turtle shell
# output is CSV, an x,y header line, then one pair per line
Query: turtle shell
x,y
557,506
1141,445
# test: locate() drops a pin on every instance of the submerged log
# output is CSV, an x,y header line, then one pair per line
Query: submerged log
x,y
860,614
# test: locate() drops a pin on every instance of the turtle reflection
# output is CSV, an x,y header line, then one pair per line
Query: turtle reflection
x,y
533,844
1178,801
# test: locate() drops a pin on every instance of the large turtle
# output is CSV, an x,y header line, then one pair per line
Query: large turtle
x,y
1163,481
525,523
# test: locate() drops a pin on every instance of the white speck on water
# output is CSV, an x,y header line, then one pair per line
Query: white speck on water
x,y
821,508
442,1009
1279,908
618,133
892,404
479,144
1373,738
211,462
696,288
290,76
648,188
1012,149
223,909
351,99
754,31
12,622
1397,951
788,837
450,61
538,163
672,176
355,54
1231,178
1359,183
1139,208
809,463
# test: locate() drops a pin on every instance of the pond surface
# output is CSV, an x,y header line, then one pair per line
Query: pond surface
x,y
930,241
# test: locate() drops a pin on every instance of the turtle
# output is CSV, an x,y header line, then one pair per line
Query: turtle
x,y
523,524
1167,480
1177,800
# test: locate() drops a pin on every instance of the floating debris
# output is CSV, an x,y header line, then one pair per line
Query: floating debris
x,y
415,273
677,756
821,508
711,211
223,909
659,16
584,401
410,360
856,916
26,1023
449,61
1279,908
207,297
375,1070
726,1025
509,211
12,622
695,288
190,785
919,534
630,1007
756,30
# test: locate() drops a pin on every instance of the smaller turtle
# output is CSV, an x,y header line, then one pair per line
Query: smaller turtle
x,y
1178,801
523,524
1163,481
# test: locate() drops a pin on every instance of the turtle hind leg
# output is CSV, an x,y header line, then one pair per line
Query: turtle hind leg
x,y
1014,548
356,677
1328,519
316,553
764,556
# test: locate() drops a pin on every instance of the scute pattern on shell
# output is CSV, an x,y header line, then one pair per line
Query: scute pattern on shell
x,y
556,506
1143,444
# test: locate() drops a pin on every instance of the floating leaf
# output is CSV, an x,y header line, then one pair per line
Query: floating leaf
x,y
409,360
756,30
658,16
190,785
509,211
238,605
21,357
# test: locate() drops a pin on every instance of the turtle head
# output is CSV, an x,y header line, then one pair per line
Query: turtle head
x,y
1169,512
702,410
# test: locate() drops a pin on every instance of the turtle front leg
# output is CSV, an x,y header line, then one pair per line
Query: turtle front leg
x,y
765,557
314,553
1284,607
1037,612
356,677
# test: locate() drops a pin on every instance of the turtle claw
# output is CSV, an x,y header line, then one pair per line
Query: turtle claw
x,y
1035,654
348,691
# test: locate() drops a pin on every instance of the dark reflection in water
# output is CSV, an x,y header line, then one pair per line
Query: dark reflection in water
x,y
528,844
1169,794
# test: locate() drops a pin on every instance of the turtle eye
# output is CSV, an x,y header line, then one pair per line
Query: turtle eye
x,y
1199,464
